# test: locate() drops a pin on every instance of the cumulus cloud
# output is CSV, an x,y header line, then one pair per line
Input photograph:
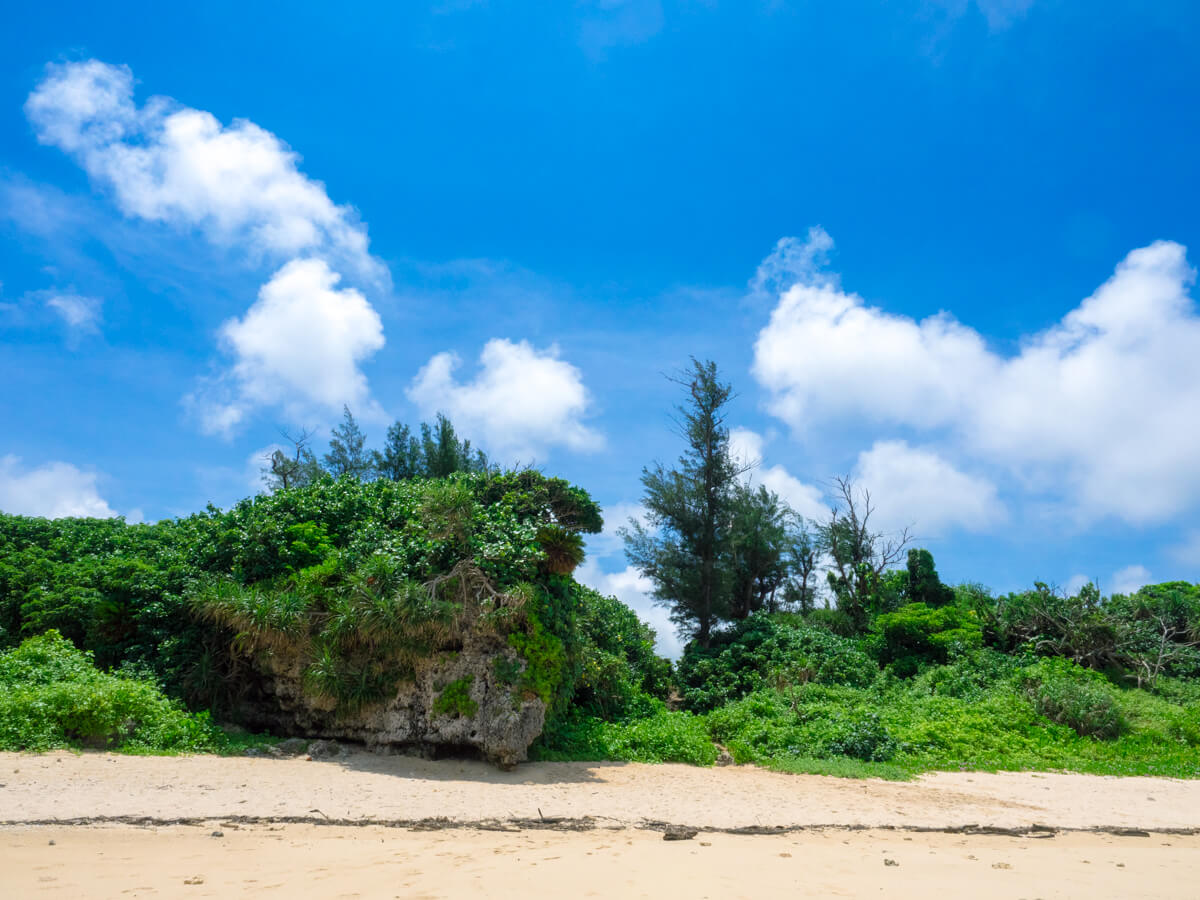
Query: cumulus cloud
x,y
164,162
54,490
81,315
521,402
746,447
300,345
301,323
1088,410
916,487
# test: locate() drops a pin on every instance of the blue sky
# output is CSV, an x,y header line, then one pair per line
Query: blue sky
x,y
940,246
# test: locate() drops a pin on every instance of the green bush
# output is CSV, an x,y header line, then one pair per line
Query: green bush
x,y
1069,695
662,736
968,676
619,671
455,699
917,634
52,696
768,651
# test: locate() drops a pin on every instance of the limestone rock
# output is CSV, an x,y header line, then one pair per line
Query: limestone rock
x,y
486,711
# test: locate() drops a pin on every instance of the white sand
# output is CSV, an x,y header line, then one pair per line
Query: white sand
x,y
66,857
369,861
365,787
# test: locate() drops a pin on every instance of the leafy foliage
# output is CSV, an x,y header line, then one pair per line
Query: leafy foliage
x,y
769,651
917,634
455,699
661,736
51,695
1076,697
620,674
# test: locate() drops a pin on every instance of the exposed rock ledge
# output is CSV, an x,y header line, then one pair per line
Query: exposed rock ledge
x,y
485,711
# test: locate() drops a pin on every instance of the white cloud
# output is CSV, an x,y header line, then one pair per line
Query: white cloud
x,y
80,314
299,346
1129,579
1088,410
239,184
746,447
794,260
916,487
1187,551
521,402
54,490
634,590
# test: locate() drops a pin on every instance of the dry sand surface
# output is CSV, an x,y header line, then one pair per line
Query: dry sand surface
x,y
371,861
99,825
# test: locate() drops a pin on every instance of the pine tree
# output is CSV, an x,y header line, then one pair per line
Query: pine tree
x,y
685,553
346,455
401,456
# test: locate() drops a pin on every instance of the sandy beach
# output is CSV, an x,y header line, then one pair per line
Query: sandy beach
x,y
100,825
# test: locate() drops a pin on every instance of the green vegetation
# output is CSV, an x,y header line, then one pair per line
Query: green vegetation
x,y
357,581
52,696
455,698
110,633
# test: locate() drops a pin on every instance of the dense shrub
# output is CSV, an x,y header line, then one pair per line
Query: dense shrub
x,y
662,736
967,676
619,671
1078,698
51,695
338,569
762,651
917,634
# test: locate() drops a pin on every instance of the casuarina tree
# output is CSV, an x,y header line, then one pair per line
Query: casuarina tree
x,y
685,549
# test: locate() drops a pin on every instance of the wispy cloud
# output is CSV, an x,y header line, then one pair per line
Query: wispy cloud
x,y
80,314
618,23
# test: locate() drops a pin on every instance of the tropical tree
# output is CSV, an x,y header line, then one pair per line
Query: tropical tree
x,y
347,455
924,585
400,458
759,539
685,550
300,467
858,556
444,453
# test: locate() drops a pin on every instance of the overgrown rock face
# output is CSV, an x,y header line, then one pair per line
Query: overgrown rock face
x,y
466,701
